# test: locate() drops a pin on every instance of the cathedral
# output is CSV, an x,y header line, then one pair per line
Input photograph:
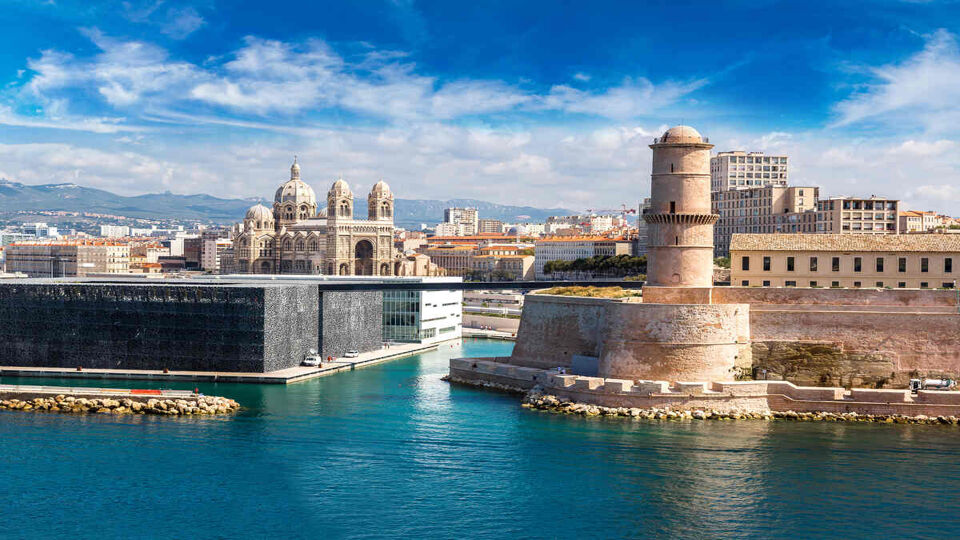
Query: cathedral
x,y
294,238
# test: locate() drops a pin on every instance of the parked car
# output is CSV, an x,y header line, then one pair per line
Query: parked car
x,y
311,361
352,353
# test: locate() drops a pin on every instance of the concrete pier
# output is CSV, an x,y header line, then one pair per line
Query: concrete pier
x,y
282,376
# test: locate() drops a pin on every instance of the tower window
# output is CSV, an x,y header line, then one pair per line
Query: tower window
x,y
673,207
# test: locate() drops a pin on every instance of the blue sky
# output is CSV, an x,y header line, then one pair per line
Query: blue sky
x,y
541,103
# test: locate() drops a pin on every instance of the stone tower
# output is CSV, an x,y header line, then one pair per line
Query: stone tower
x,y
679,221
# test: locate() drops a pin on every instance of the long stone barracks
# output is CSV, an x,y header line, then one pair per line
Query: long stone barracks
x,y
684,336
250,326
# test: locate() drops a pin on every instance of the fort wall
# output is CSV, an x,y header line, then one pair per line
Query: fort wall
x,y
632,339
729,397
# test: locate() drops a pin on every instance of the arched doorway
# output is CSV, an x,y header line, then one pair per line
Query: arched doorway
x,y
344,269
384,269
266,267
363,255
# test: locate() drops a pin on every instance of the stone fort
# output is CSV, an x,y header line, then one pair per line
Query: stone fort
x,y
686,329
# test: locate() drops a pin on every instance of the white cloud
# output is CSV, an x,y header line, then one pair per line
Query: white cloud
x,y
264,77
923,90
181,22
633,98
66,122
124,72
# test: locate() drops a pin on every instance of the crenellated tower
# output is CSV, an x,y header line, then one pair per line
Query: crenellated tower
x,y
680,221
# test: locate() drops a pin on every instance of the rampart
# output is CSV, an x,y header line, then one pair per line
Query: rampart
x,y
851,337
632,339
739,397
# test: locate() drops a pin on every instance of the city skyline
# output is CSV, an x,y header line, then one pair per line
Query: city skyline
x,y
194,97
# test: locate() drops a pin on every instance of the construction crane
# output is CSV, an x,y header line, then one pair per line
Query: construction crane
x,y
624,209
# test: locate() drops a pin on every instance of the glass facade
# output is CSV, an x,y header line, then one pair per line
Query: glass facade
x,y
401,316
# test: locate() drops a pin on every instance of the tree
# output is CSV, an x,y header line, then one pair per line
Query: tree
x,y
722,262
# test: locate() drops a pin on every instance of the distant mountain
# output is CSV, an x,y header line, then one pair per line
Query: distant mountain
x,y
15,197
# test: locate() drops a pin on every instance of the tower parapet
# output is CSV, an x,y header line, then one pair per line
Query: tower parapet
x,y
680,221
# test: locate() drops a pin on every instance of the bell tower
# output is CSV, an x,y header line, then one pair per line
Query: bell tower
x,y
680,221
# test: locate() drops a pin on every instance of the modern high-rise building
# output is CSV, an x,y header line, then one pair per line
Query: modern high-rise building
x,y
739,170
769,209
467,217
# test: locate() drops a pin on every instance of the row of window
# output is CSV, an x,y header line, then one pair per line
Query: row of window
x,y
755,159
856,284
857,264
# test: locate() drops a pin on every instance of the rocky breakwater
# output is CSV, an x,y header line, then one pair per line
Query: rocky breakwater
x,y
202,405
536,399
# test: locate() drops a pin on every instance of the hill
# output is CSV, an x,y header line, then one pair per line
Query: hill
x,y
15,197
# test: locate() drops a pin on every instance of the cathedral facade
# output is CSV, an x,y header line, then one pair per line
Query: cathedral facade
x,y
295,238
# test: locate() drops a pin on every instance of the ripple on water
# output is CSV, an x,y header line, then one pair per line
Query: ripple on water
x,y
393,451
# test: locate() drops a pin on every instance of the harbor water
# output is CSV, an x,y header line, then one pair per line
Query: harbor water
x,y
392,451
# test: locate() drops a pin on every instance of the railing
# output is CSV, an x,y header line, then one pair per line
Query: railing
x,y
664,140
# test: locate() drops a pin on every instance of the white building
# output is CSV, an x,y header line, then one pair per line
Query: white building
x,y
571,248
408,316
449,229
114,231
466,217
738,170
39,230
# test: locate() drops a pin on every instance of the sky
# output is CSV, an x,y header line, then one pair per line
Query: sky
x,y
548,104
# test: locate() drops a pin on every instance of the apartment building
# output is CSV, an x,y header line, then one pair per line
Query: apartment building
x,y
854,215
912,221
466,218
485,226
454,258
769,209
740,170
514,267
68,258
913,261
571,248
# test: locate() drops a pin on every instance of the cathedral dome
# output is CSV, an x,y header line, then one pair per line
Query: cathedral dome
x,y
381,189
681,134
295,190
340,188
259,212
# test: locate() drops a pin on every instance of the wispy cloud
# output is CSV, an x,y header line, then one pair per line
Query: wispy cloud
x,y
267,77
922,91
181,22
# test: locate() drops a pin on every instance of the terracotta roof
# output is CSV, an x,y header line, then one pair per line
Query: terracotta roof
x,y
580,239
846,242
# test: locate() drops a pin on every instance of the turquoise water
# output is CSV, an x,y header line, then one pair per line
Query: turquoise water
x,y
392,451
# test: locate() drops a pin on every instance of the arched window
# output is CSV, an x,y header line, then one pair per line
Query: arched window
x,y
299,245
344,209
385,209
313,245
286,244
